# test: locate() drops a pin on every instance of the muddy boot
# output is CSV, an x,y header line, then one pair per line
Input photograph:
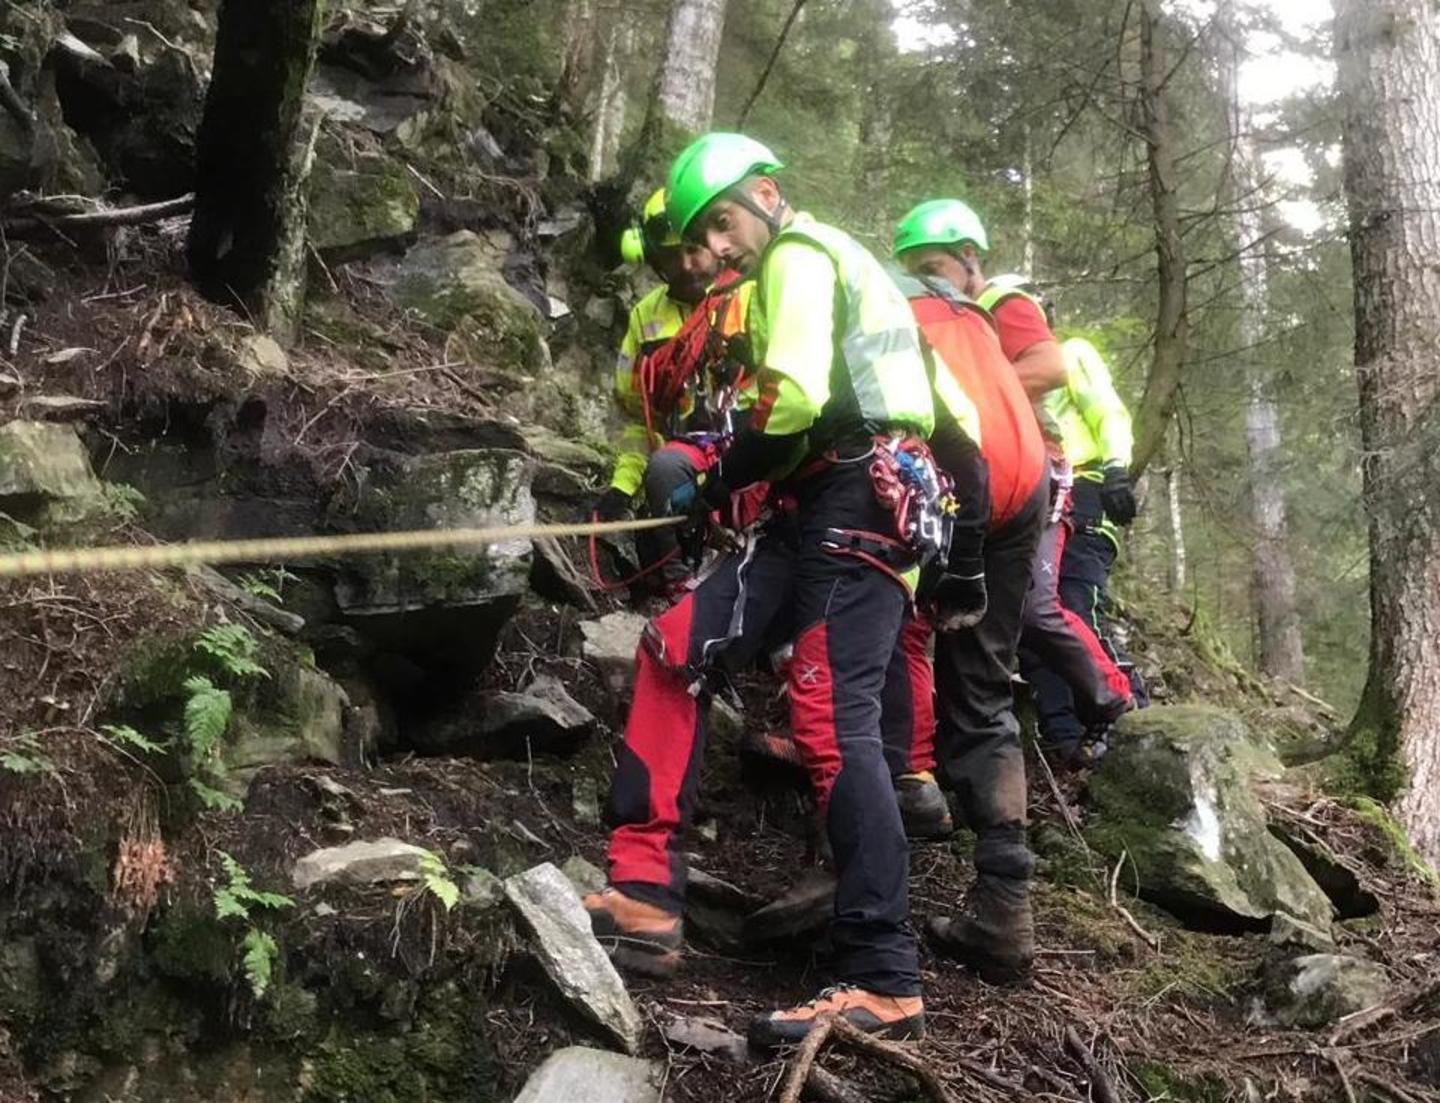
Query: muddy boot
x,y
923,808
885,1016
639,937
806,907
994,934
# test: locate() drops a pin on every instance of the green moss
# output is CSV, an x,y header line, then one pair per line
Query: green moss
x,y
1369,763
1089,924
1374,814
191,945
442,1056
1194,966
1165,1082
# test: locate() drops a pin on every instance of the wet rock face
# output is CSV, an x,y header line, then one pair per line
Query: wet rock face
x,y
1175,793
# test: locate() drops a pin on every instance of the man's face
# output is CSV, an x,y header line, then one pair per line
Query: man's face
x,y
688,270
732,232
941,263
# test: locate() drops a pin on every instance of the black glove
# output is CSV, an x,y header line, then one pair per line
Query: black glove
x,y
613,505
958,596
1117,496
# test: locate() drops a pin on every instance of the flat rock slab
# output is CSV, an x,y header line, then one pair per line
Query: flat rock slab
x,y
706,1036
579,1072
363,862
543,714
575,961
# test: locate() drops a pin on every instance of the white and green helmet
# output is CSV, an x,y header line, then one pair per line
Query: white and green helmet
x,y
942,222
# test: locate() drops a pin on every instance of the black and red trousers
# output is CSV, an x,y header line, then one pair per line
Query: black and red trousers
x,y
846,616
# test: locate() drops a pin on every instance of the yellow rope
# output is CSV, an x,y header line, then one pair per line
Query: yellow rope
x,y
92,560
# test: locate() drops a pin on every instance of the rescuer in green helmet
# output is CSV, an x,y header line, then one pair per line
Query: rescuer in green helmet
x,y
843,390
653,458
946,239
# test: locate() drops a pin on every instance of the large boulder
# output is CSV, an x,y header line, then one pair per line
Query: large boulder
x,y
1176,794
45,474
444,610
361,209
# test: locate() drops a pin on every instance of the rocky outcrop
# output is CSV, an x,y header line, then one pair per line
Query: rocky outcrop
x,y
45,475
1176,794
361,209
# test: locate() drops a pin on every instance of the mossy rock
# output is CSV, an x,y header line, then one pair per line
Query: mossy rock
x,y
1175,794
455,284
45,475
1162,1081
356,211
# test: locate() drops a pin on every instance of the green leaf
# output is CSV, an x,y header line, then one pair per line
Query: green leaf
x,y
233,650
207,715
437,880
123,735
258,587
214,799
18,763
259,961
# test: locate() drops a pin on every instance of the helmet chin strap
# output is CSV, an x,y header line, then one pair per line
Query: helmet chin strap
x,y
771,219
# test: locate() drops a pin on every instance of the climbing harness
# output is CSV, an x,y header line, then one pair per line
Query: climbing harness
x,y
910,484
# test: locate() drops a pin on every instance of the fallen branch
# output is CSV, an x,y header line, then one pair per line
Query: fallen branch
x,y
1101,1086
805,1058
1339,1067
889,1051
1359,1020
802,1068
106,216
1153,941
829,1088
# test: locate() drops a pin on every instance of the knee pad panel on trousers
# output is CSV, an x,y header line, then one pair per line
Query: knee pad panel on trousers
x,y
1002,852
812,710
629,790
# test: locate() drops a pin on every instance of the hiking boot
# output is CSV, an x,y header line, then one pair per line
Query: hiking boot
x,y
923,807
995,931
772,747
804,908
886,1016
639,937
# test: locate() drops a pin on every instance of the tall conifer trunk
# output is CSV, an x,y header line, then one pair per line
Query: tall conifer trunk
x,y
1388,54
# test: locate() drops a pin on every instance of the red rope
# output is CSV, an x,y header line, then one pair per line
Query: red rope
x,y
599,579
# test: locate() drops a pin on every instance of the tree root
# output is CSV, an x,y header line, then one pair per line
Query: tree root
x,y
1102,1087
802,1066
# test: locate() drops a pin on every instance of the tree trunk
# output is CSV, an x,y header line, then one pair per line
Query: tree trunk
x,y
1177,531
610,102
1172,323
1027,181
687,77
247,238
1388,54
1281,651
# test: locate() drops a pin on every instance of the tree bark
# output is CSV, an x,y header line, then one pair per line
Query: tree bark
x,y
1388,54
1281,649
253,152
692,48
1172,322
611,101
1177,530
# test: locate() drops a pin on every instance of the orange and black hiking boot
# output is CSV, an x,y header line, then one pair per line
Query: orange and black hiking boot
x,y
638,936
886,1016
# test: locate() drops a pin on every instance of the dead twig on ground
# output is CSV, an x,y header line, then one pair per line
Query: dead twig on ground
x,y
829,1088
105,216
1101,1086
1153,941
1360,1020
832,1026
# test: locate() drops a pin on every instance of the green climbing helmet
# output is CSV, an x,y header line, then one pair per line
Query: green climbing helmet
x,y
940,222
654,232
709,166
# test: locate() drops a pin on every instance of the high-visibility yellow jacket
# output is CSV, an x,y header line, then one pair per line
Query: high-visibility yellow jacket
x,y
1093,420
654,320
835,342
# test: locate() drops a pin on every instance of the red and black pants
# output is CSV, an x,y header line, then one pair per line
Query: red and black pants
x,y
846,615
1072,667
